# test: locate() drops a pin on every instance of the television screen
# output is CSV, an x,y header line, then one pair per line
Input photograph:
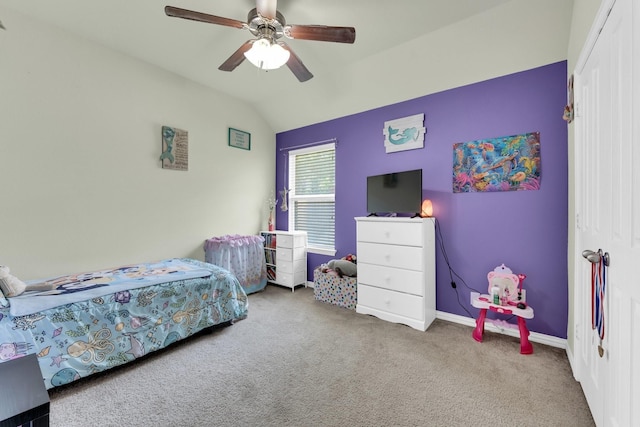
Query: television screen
x,y
398,192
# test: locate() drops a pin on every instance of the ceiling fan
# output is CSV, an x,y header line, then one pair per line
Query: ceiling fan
x,y
268,25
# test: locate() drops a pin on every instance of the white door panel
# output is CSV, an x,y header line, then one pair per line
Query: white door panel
x,y
608,217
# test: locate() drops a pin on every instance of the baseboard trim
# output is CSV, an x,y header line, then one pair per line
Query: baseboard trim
x,y
533,336
570,356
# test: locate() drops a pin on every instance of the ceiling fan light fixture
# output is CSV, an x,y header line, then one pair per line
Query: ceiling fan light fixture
x,y
267,55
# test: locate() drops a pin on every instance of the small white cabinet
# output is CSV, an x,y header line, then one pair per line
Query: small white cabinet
x,y
285,254
396,269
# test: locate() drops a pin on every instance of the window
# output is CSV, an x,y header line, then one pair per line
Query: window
x,y
312,178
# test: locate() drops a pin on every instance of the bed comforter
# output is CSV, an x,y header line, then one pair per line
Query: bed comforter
x,y
106,326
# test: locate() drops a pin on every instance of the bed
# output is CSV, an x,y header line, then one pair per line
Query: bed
x,y
90,322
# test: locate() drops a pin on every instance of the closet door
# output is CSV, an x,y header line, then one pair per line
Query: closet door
x,y
608,218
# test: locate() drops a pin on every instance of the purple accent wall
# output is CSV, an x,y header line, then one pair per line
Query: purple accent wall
x,y
526,230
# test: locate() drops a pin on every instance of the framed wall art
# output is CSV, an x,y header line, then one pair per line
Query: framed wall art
x,y
175,149
509,163
402,134
239,139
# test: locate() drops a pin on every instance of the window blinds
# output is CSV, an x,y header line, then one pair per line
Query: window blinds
x,y
313,195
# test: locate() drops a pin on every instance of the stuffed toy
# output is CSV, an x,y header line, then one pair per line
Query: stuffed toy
x,y
11,286
346,266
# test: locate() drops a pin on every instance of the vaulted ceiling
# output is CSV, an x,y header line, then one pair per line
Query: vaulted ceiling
x,y
141,29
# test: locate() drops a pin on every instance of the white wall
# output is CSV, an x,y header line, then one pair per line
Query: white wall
x,y
517,36
80,140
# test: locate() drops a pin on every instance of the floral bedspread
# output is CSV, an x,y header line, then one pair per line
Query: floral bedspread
x,y
71,288
81,338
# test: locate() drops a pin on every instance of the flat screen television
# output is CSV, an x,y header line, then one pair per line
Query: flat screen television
x,y
398,192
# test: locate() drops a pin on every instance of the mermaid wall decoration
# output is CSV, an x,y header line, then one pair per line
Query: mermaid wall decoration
x,y
175,149
406,133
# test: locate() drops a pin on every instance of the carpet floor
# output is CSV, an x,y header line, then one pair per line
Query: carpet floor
x,y
295,361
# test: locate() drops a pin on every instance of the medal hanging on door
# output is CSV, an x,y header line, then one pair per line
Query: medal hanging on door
x,y
598,296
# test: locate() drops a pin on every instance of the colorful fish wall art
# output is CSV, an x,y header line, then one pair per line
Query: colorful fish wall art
x,y
510,163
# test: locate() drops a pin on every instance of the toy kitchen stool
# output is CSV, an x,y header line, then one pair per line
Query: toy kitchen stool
x,y
508,287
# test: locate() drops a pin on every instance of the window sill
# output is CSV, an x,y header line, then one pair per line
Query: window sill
x,y
321,251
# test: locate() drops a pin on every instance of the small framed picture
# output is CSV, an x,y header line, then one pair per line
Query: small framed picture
x,y
239,139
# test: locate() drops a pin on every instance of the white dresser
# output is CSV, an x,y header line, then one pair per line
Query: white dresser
x,y
286,257
396,269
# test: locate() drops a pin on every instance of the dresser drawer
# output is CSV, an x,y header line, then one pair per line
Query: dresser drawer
x,y
285,267
291,240
291,266
396,233
409,257
395,279
286,254
397,303
283,254
291,279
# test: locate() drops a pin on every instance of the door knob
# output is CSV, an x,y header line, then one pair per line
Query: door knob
x,y
591,256
595,257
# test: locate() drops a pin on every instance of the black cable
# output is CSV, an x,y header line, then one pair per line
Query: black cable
x,y
443,250
452,272
461,305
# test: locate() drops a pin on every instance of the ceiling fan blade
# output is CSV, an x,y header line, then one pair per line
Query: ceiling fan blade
x,y
296,66
321,33
267,8
177,12
236,58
